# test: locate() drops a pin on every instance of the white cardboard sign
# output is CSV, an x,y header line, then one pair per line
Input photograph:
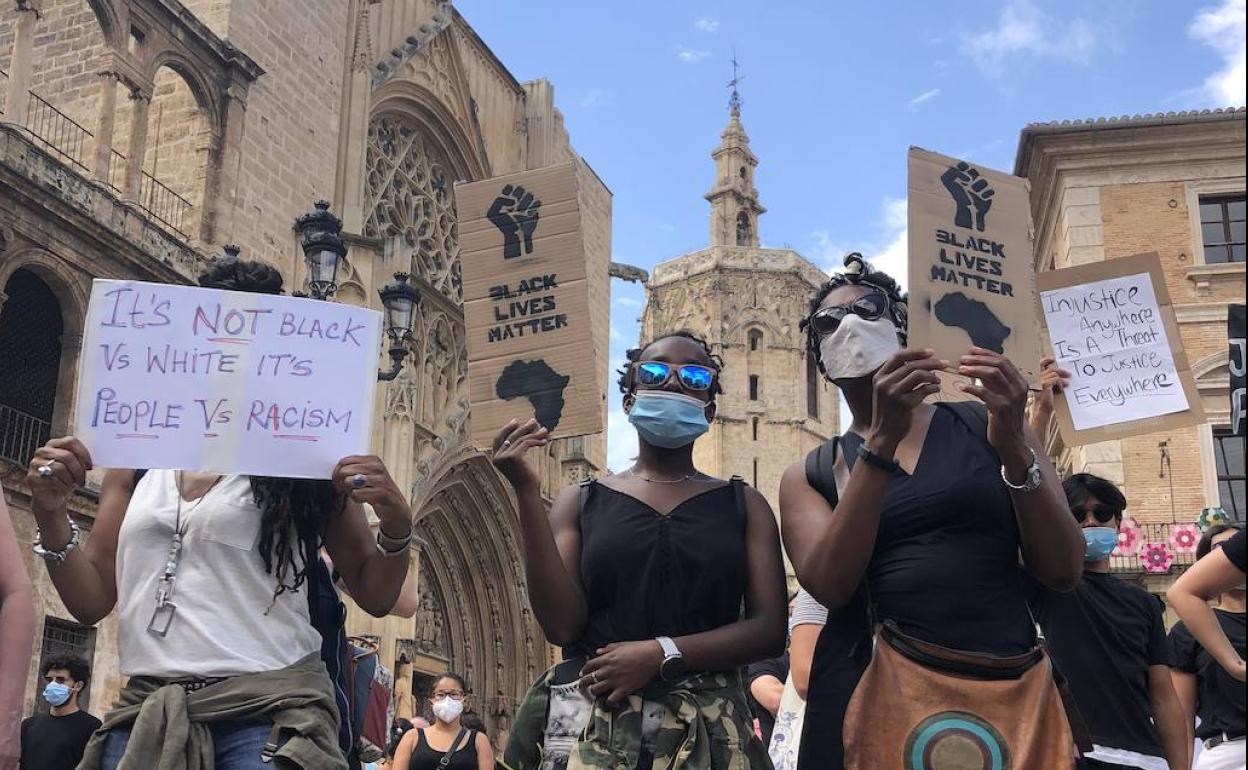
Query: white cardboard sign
x,y
225,381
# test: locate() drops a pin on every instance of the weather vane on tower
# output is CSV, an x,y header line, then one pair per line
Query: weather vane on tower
x,y
734,101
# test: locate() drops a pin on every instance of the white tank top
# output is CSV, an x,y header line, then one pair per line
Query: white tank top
x,y
227,621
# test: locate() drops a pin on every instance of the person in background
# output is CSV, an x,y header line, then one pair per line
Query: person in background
x,y
1205,689
805,624
448,744
766,679
1108,638
209,576
660,582
1221,571
55,740
17,636
1052,381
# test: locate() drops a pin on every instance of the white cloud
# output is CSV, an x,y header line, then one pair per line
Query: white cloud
x,y
1222,28
926,96
1024,29
707,24
621,441
627,302
691,55
594,97
616,334
886,249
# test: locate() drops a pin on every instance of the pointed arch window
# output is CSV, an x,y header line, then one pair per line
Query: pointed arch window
x,y
745,229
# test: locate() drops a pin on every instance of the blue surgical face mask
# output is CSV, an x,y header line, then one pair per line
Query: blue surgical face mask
x,y
1099,542
668,420
56,693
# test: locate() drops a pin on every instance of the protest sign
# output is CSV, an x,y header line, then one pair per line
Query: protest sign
x,y
1113,328
972,281
224,381
531,352
1235,329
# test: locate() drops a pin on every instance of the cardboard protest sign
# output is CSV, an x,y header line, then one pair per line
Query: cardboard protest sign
x,y
526,304
225,381
972,280
1113,328
1235,331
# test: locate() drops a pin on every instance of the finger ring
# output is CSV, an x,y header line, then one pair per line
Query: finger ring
x,y
594,676
506,443
359,480
45,470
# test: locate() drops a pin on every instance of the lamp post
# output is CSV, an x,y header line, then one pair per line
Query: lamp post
x,y
323,250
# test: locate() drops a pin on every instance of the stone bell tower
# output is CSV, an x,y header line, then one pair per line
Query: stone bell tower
x,y
747,301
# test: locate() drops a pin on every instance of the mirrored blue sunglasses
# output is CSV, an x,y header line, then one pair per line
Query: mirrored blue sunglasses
x,y
655,374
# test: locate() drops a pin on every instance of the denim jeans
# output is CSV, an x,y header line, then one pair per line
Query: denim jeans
x,y
236,745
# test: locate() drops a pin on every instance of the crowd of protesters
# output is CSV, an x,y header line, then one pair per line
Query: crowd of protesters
x,y
957,607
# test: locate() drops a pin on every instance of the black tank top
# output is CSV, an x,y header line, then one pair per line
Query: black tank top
x,y
427,758
647,575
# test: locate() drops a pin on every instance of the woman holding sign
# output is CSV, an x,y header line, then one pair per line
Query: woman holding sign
x,y
641,578
915,518
210,576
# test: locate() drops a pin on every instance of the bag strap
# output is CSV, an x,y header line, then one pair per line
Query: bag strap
x,y
738,493
586,486
445,761
821,469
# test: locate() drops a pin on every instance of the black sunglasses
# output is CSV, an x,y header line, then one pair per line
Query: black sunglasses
x,y
869,307
655,374
1101,513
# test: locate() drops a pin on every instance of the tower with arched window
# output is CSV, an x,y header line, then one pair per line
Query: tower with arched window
x,y
746,301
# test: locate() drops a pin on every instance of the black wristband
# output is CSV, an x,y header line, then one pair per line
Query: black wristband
x,y
874,460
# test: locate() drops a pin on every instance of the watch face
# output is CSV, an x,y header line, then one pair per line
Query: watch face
x,y
672,668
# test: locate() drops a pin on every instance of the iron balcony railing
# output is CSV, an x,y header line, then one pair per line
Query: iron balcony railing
x,y
1155,548
21,434
64,138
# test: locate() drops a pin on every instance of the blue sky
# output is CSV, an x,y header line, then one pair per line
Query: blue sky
x,y
834,95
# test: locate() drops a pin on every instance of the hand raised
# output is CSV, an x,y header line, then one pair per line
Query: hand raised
x,y
510,446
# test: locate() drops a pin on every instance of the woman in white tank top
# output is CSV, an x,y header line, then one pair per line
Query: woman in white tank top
x,y
234,617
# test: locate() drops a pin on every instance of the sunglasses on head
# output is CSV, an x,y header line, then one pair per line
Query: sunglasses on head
x,y
869,307
654,374
1101,513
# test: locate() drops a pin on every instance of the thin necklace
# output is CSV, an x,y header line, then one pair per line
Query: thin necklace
x,y
687,477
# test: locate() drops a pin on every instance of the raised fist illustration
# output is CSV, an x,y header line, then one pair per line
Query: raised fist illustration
x,y
515,213
972,194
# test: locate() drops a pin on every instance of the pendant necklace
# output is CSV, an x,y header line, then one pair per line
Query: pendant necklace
x,y
162,616
686,477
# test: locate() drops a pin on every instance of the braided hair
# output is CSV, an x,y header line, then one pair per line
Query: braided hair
x,y
858,273
628,377
292,510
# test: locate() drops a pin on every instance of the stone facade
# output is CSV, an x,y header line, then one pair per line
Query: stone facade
x,y
747,301
1111,188
177,128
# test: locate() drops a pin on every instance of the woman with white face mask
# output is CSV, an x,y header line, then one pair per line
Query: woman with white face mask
x,y
446,744
641,577
915,519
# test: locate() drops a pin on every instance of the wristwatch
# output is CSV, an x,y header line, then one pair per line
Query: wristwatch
x,y
1034,476
673,666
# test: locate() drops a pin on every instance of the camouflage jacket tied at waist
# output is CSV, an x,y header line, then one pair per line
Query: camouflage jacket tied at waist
x,y
706,726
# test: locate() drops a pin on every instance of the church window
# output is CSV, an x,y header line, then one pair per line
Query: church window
x,y
744,174
755,338
812,386
1222,228
754,429
744,229
30,332
753,387
756,473
1229,454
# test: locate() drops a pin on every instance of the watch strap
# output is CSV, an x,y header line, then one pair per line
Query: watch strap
x,y
670,650
1033,478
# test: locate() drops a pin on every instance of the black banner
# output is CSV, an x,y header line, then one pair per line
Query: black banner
x,y
1235,330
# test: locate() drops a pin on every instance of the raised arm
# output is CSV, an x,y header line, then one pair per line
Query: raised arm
x,y
1190,596
375,578
17,635
830,548
86,580
552,544
1052,545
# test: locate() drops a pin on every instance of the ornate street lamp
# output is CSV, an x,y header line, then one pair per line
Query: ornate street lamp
x,y
323,249
400,298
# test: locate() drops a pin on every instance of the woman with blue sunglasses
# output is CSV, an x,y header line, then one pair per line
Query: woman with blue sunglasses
x,y
660,582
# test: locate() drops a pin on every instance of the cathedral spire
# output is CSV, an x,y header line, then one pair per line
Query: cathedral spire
x,y
734,199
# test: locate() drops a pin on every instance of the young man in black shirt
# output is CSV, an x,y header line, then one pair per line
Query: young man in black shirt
x,y
55,741
1108,638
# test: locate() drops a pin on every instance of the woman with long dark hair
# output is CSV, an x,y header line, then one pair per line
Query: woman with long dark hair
x,y
660,582
228,666
449,743
915,519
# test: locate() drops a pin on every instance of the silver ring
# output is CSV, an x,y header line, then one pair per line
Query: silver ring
x,y
359,480
46,469
593,675
506,443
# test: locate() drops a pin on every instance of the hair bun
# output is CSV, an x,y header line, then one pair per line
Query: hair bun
x,y
855,264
